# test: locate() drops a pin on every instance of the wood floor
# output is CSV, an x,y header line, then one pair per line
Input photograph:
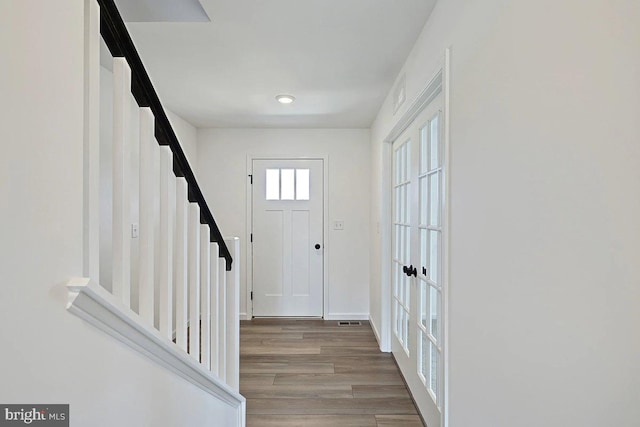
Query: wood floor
x,y
315,373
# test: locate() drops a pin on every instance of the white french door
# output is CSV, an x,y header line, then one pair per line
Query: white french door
x,y
287,230
417,265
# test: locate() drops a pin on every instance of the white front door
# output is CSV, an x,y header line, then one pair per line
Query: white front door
x,y
287,229
417,264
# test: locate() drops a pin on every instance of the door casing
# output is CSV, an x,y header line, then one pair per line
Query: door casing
x,y
248,315
441,78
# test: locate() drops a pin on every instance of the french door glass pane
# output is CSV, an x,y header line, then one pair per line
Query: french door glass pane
x,y
424,199
433,368
434,315
423,355
406,331
424,136
433,269
434,152
423,249
424,304
434,199
407,241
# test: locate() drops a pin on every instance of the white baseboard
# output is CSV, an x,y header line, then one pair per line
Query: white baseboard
x,y
347,316
375,331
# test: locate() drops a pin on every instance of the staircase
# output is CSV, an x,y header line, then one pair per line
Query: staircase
x,y
159,276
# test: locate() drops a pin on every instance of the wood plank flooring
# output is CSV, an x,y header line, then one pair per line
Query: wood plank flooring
x,y
314,373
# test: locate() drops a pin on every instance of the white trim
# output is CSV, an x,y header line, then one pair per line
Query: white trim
x,y
428,94
248,315
91,137
446,232
346,316
94,304
377,334
440,83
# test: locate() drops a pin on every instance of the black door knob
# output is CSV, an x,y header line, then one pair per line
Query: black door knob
x,y
411,271
317,246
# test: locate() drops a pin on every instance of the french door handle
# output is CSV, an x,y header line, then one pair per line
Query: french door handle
x,y
410,271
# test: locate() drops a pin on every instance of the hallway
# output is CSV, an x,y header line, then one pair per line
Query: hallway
x,y
315,373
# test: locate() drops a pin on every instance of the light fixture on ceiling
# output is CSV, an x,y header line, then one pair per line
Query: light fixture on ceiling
x,y
285,99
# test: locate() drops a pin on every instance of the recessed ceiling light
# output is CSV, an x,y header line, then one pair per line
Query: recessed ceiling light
x,y
285,99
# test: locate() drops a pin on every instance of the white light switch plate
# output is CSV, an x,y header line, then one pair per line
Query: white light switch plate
x,y
135,232
338,225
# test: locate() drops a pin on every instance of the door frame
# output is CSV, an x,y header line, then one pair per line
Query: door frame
x,y
440,83
249,228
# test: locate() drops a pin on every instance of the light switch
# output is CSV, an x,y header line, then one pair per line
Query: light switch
x,y
135,232
338,225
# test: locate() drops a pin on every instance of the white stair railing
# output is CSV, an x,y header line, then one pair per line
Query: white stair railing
x,y
197,304
187,311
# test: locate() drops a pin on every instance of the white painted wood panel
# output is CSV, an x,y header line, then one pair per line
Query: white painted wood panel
x,y
222,315
214,296
288,242
233,315
121,286
193,261
147,211
167,230
180,263
205,297
91,179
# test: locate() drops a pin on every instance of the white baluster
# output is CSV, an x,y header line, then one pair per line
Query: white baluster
x,y
121,287
180,266
205,297
193,248
91,180
148,211
233,315
222,320
215,277
167,230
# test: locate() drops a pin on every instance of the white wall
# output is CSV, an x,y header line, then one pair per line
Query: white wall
x,y
545,236
222,174
49,355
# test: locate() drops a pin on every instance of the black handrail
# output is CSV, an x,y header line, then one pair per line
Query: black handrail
x,y
117,38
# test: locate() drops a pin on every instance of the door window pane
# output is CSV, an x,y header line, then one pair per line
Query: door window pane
x,y
434,321
424,135
273,184
434,268
423,355
302,184
424,304
434,144
424,250
433,368
434,199
287,184
423,200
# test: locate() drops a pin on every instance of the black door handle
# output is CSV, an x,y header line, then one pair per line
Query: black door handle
x,y
411,271
317,246
405,269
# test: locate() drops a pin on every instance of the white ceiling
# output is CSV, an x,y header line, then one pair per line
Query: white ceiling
x,y
337,57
